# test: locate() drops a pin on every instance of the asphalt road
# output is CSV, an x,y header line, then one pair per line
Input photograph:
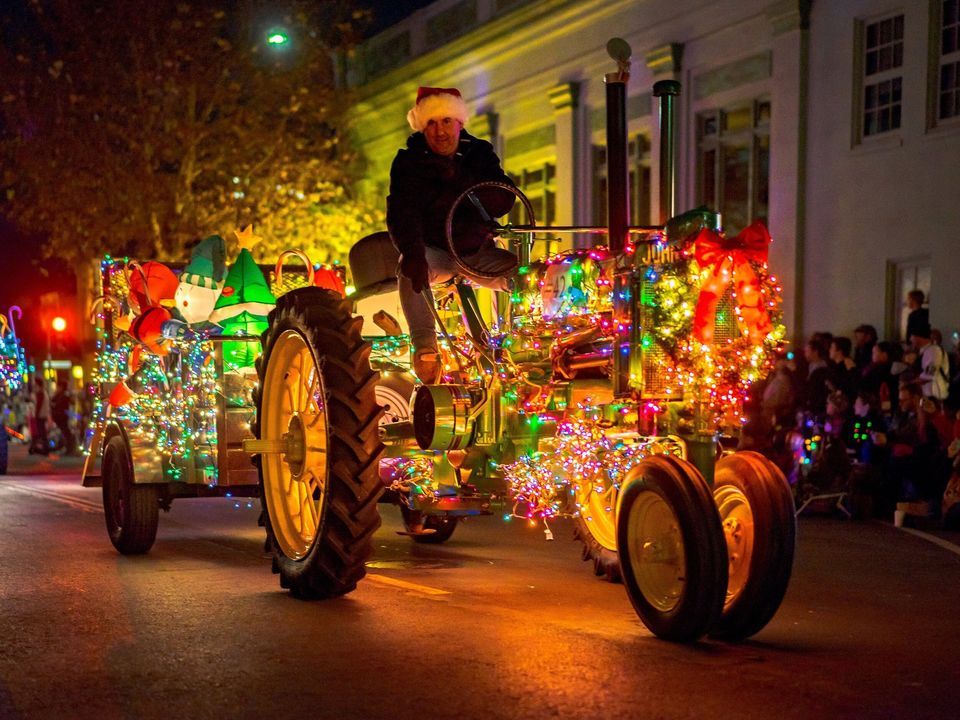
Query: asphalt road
x,y
497,623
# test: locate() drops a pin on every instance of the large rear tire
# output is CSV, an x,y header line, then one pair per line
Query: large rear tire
x,y
316,404
672,553
756,509
132,512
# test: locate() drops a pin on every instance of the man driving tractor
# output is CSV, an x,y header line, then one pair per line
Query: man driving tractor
x,y
440,161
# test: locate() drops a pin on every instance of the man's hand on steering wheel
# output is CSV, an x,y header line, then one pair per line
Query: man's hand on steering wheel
x,y
414,266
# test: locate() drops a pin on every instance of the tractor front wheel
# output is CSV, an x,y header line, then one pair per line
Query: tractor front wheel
x,y
672,554
756,509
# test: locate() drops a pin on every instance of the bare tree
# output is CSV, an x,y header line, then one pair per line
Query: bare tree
x,y
135,128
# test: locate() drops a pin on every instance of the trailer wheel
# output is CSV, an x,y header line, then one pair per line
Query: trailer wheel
x,y
132,512
443,525
756,509
317,415
671,547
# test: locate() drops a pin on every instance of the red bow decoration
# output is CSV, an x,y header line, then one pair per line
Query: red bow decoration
x,y
721,255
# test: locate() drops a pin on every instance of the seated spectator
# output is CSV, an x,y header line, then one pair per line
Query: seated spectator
x,y
870,460
914,464
845,373
866,423
878,377
829,468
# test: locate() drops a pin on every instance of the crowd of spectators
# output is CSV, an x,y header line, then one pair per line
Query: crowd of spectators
x,y
48,417
877,420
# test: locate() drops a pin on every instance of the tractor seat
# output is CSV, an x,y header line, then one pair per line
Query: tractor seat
x,y
373,265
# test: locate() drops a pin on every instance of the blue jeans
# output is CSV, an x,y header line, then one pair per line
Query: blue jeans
x,y
416,306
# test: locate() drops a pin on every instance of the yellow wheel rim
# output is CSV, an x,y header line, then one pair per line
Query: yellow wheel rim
x,y
738,530
294,415
656,551
597,506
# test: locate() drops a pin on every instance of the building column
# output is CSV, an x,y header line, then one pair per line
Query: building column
x,y
486,126
572,189
789,20
664,62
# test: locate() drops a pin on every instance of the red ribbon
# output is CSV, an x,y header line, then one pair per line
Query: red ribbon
x,y
728,260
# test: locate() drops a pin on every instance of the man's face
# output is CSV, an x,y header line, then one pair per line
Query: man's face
x,y
443,135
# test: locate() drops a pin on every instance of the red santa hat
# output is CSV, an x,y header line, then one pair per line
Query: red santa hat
x,y
435,103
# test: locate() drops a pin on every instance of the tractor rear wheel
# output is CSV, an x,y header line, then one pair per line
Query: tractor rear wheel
x,y
672,553
132,512
756,509
317,418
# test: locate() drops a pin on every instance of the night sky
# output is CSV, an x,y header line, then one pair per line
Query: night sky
x,y
389,12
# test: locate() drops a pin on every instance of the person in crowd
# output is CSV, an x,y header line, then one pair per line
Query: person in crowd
x,y
845,372
440,161
864,338
914,464
817,385
778,402
878,378
60,408
934,372
41,399
869,459
919,316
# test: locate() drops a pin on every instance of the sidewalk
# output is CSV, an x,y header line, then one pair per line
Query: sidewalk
x,y
21,463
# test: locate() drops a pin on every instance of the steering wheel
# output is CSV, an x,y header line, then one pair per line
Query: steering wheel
x,y
470,193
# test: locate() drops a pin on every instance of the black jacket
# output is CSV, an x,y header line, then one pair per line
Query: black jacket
x,y
424,185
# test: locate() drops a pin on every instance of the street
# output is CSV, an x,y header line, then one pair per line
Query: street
x,y
496,623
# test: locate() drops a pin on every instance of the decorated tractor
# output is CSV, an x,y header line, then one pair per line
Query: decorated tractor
x,y
607,387
13,373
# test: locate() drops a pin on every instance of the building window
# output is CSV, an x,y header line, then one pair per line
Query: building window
x,y
948,89
539,183
638,180
882,80
733,168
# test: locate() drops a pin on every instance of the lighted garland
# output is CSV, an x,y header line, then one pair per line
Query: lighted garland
x,y
13,367
718,373
544,484
176,410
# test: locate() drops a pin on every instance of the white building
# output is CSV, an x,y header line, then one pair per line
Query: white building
x,y
837,122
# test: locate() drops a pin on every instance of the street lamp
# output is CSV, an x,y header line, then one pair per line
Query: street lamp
x,y
278,37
